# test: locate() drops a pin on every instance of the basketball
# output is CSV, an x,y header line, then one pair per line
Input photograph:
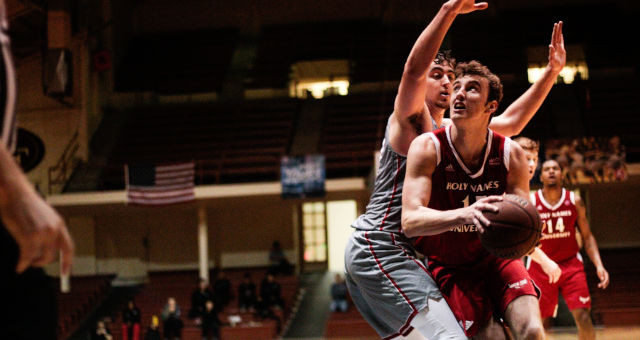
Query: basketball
x,y
514,230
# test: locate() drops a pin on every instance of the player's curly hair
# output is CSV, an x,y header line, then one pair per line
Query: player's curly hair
x,y
475,68
443,57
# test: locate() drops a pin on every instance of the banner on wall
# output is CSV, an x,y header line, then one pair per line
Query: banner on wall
x,y
302,176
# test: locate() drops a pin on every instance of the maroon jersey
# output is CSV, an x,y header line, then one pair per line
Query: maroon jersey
x,y
456,186
558,225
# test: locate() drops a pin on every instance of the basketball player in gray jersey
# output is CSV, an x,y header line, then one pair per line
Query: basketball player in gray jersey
x,y
390,287
32,234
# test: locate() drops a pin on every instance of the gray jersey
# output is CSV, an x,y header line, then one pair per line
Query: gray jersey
x,y
385,205
384,210
387,283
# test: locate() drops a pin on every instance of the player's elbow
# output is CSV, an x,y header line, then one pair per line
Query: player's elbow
x,y
413,71
409,224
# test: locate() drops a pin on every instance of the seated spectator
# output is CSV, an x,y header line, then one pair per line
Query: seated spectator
x,y
199,298
210,322
131,322
278,263
339,295
270,291
101,332
263,311
153,332
221,291
247,294
171,322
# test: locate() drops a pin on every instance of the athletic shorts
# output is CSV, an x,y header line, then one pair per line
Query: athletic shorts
x,y
572,285
476,293
387,283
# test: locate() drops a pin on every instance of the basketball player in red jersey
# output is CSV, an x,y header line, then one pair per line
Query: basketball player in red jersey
x,y
561,211
453,175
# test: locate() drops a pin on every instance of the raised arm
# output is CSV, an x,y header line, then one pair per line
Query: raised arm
x,y
417,218
590,245
409,106
519,113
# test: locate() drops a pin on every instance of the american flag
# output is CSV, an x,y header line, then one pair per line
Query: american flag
x,y
160,184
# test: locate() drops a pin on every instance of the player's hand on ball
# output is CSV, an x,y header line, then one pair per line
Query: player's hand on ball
x,y
552,270
603,275
474,215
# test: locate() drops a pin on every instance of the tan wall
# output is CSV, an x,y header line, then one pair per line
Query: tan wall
x,y
240,233
614,214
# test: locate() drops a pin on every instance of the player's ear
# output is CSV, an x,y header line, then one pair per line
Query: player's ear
x,y
492,106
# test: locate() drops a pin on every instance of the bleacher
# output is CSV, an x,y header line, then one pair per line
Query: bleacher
x,y
180,285
177,62
85,295
237,142
348,325
353,130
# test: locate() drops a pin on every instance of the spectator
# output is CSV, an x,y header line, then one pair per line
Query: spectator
x,y
210,322
171,322
264,311
270,292
131,321
101,332
339,295
199,298
278,262
153,332
247,294
221,291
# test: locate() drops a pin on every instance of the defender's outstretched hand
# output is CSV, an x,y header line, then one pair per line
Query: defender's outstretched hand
x,y
467,6
557,53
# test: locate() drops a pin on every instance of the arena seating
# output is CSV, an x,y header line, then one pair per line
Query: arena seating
x,y
229,142
196,62
180,284
73,307
353,130
348,325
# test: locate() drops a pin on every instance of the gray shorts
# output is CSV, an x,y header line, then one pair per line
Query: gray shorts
x,y
387,283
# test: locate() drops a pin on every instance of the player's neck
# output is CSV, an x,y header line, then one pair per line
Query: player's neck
x,y
437,113
552,194
469,143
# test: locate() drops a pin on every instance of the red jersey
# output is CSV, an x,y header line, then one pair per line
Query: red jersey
x,y
455,186
558,239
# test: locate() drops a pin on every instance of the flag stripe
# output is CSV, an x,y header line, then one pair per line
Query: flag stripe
x,y
163,184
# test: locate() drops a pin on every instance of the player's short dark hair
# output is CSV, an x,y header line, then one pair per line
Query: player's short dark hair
x,y
554,160
444,57
475,68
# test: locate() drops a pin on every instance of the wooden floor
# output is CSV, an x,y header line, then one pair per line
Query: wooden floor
x,y
602,333
609,333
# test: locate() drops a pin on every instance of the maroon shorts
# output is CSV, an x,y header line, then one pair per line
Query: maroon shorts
x,y
478,292
572,285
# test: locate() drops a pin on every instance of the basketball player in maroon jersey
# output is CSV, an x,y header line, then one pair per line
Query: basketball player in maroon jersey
x,y
551,268
453,175
561,211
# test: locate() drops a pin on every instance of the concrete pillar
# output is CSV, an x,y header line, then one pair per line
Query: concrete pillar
x,y
203,245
